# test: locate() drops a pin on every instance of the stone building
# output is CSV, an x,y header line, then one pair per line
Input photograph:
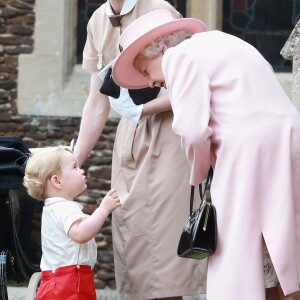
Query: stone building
x,y
43,89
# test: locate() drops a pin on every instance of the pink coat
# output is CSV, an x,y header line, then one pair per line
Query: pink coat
x,y
231,111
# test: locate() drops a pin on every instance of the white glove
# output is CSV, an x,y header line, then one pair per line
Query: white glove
x,y
126,107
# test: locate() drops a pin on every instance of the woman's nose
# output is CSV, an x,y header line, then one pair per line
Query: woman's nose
x,y
151,83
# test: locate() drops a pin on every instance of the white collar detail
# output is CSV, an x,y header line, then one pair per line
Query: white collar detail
x,y
127,7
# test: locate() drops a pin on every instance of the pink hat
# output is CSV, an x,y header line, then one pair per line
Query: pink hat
x,y
138,35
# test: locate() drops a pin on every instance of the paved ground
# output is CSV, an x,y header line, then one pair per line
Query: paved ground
x,y
19,293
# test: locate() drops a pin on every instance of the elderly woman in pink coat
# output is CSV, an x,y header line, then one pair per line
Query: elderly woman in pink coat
x,y
230,112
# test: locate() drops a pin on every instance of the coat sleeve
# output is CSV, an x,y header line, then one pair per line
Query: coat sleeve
x,y
189,90
90,58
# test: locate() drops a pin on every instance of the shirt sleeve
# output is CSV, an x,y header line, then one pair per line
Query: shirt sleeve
x,y
67,213
189,90
90,56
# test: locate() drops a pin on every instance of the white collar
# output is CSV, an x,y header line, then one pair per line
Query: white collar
x,y
126,8
53,200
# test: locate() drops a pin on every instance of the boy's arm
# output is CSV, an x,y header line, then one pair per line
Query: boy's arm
x,y
83,230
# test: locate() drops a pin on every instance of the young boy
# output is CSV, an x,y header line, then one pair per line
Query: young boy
x,y
68,245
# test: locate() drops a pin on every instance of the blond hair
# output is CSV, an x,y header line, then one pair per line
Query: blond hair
x,y
40,166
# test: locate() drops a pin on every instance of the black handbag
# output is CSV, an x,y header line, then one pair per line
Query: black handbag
x,y
109,87
138,96
142,96
199,235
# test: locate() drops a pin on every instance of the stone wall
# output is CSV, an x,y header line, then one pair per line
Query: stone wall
x,y
17,37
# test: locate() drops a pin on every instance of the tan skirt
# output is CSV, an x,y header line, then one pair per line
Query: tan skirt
x,y
151,175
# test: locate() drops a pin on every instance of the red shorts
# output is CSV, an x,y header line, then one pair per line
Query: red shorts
x,y
68,283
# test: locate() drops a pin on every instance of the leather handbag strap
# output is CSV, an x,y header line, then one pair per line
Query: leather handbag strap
x,y
202,193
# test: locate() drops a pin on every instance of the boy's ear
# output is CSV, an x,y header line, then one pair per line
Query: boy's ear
x,y
56,181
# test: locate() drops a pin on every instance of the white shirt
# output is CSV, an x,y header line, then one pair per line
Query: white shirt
x,y
126,8
58,249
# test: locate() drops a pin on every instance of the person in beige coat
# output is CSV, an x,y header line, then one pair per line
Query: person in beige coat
x,y
149,170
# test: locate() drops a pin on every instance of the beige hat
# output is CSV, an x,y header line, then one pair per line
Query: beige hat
x,y
138,35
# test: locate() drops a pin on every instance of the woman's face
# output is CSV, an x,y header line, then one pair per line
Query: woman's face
x,y
151,68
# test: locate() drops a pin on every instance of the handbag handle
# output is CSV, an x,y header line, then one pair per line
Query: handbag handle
x,y
207,183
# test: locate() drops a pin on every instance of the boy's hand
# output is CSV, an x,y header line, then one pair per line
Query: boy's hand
x,y
111,201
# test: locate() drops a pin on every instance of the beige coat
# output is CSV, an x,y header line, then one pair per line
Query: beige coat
x,y
151,174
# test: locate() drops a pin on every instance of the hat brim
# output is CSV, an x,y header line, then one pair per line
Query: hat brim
x,y
124,72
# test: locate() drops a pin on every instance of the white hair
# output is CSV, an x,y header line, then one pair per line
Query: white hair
x,y
169,40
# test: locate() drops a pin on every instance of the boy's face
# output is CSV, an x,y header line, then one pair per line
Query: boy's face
x,y
72,177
